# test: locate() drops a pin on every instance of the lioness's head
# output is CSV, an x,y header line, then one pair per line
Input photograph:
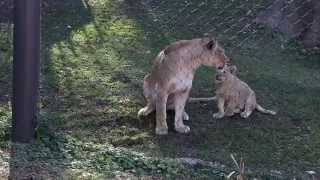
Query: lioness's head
x,y
213,54
225,73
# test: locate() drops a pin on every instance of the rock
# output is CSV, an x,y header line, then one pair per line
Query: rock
x,y
300,19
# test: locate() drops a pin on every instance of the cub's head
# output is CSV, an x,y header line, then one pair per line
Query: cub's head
x,y
225,73
213,54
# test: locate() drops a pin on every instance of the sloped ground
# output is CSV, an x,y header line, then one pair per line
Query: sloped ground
x,y
95,55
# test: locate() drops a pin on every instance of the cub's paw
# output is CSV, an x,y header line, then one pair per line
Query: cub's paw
x,y
185,116
183,129
161,131
218,115
244,115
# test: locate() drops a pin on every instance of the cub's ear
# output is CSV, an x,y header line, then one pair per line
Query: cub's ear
x,y
233,69
211,44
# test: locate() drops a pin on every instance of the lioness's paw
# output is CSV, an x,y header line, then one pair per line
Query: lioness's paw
x,y
161,131
185,116
142,112
183,129
218,115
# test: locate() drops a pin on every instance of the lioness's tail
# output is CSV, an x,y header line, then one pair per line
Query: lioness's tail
x,y
191,99
263,110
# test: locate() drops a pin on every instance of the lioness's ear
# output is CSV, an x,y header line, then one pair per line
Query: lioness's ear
x,y
233,69
211,44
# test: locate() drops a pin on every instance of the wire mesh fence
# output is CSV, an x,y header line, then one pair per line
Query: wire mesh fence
x,y
234,22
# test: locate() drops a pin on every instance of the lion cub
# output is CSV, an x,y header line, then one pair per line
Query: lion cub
x,y
234,95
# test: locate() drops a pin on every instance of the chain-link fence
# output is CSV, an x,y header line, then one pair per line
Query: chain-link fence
x,y
236,22
232,22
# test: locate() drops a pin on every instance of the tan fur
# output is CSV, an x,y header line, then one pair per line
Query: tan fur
x,y
234,95
170,81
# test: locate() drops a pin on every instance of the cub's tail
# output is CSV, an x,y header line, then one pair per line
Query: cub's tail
x,y
191,99
263,110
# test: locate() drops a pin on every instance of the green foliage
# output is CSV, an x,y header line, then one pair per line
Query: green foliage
x,y
57,150
5,124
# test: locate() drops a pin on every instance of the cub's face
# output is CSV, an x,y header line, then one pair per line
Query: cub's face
x,y
225,73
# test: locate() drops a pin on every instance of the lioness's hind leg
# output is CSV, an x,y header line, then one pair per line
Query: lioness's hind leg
x,y
146,110
148,93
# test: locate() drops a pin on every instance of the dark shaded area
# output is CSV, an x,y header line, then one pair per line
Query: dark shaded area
x,y
6,10
299,19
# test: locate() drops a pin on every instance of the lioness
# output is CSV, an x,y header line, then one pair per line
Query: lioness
x,y
170,81
234,95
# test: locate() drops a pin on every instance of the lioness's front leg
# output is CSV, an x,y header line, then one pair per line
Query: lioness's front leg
x,y
220,114
161,114
180,101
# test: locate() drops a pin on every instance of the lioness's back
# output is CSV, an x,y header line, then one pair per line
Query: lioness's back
x,y
176,46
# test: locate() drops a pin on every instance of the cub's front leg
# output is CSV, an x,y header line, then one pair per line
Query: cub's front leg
x,y
221,113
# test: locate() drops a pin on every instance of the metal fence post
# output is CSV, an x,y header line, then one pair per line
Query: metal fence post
x,y
26,69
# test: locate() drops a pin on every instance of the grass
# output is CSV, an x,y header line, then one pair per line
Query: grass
x,y
95,55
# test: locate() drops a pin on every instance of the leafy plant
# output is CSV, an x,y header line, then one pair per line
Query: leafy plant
x,y
5,123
